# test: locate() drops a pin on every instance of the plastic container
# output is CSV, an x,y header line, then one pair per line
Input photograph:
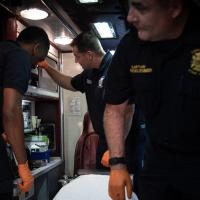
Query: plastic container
x,y
41,155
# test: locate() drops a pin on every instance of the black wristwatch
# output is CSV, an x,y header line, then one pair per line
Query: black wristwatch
x,y
117,160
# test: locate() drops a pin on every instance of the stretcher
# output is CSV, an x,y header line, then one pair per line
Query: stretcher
x,y
87,187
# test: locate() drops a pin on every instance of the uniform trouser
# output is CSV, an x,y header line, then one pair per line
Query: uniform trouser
x,y
168,175
102,147
160,188
6,196
139,155
6,178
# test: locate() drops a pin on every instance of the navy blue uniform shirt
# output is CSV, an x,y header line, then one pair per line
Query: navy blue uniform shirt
x,y
15,66
164,79
92,82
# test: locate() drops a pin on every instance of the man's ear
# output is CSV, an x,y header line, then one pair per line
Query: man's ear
x,y
90,54
177,7
36,48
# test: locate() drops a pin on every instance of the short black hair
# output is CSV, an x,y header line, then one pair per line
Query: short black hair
x,y
87,41
34,34
187,3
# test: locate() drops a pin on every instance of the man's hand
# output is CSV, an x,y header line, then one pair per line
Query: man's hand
x,y
119,180
26,176
105,159
43,64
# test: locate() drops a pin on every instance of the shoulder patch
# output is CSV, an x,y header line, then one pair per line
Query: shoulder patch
x,y
195,62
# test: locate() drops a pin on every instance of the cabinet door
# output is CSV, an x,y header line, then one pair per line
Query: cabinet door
x,y
53,177
45,81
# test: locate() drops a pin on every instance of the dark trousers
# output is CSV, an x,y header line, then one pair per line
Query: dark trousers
x,y
6,177
139,158
169,175
161,188
6,196
102,148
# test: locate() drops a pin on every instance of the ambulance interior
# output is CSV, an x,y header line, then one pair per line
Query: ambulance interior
x,y
53,117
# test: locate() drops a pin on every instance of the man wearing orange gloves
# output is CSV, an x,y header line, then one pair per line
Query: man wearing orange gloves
x,y
157,63
89,53
16,60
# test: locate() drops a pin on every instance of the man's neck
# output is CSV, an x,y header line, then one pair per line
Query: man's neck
x,y
98,60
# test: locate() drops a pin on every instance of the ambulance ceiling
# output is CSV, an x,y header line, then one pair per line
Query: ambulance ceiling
x,y
70,17
114,11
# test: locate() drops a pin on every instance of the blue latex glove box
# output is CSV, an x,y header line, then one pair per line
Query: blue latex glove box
x,y
41,155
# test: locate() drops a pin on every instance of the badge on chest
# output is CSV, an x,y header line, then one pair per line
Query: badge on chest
x,y
100,83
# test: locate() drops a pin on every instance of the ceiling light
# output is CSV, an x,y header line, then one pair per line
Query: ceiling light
x,y
63,40
34,14
104,29
88,1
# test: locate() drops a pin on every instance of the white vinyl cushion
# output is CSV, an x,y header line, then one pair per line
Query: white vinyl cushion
x,y
86,187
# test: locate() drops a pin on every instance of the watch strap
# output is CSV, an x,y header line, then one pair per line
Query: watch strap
x,y
117,160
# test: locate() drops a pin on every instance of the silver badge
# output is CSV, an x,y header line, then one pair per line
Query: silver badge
x,y
100,84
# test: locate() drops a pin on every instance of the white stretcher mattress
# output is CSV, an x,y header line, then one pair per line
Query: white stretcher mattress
x,y
86,187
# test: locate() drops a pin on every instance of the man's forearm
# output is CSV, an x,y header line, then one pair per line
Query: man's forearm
x,y
62,80
130,109
114,123
13,126
13,122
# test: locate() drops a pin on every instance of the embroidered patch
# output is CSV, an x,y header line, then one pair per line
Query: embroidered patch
x,y
140,69
195,63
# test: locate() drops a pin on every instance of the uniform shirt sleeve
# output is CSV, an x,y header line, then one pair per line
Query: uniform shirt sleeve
x,y
118,84
17,71
78,82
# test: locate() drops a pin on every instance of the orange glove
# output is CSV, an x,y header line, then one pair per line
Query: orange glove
x,y
43,64
5,137
105,159
26,176
119,179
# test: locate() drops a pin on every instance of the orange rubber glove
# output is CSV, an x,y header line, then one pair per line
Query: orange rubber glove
x,y
26,176
43,64
105,159
119,180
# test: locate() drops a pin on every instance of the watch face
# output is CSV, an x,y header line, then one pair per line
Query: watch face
x,y
117,160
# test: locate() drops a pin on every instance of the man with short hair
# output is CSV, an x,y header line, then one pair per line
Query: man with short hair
x,y
16,59
89,53
157,64
95,62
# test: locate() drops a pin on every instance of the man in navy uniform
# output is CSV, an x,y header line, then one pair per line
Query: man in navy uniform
x,y
16,59
89,53
158,64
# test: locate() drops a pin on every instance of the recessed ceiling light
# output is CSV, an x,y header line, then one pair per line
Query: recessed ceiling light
x,y
88,1
63,40
34,14
104,29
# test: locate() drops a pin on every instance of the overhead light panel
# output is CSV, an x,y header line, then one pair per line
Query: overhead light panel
x,y
63,40
104,29
34,14
88,1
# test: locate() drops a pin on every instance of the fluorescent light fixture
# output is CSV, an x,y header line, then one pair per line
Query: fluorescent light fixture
x,y
63,40
34,14
104,29
88,1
